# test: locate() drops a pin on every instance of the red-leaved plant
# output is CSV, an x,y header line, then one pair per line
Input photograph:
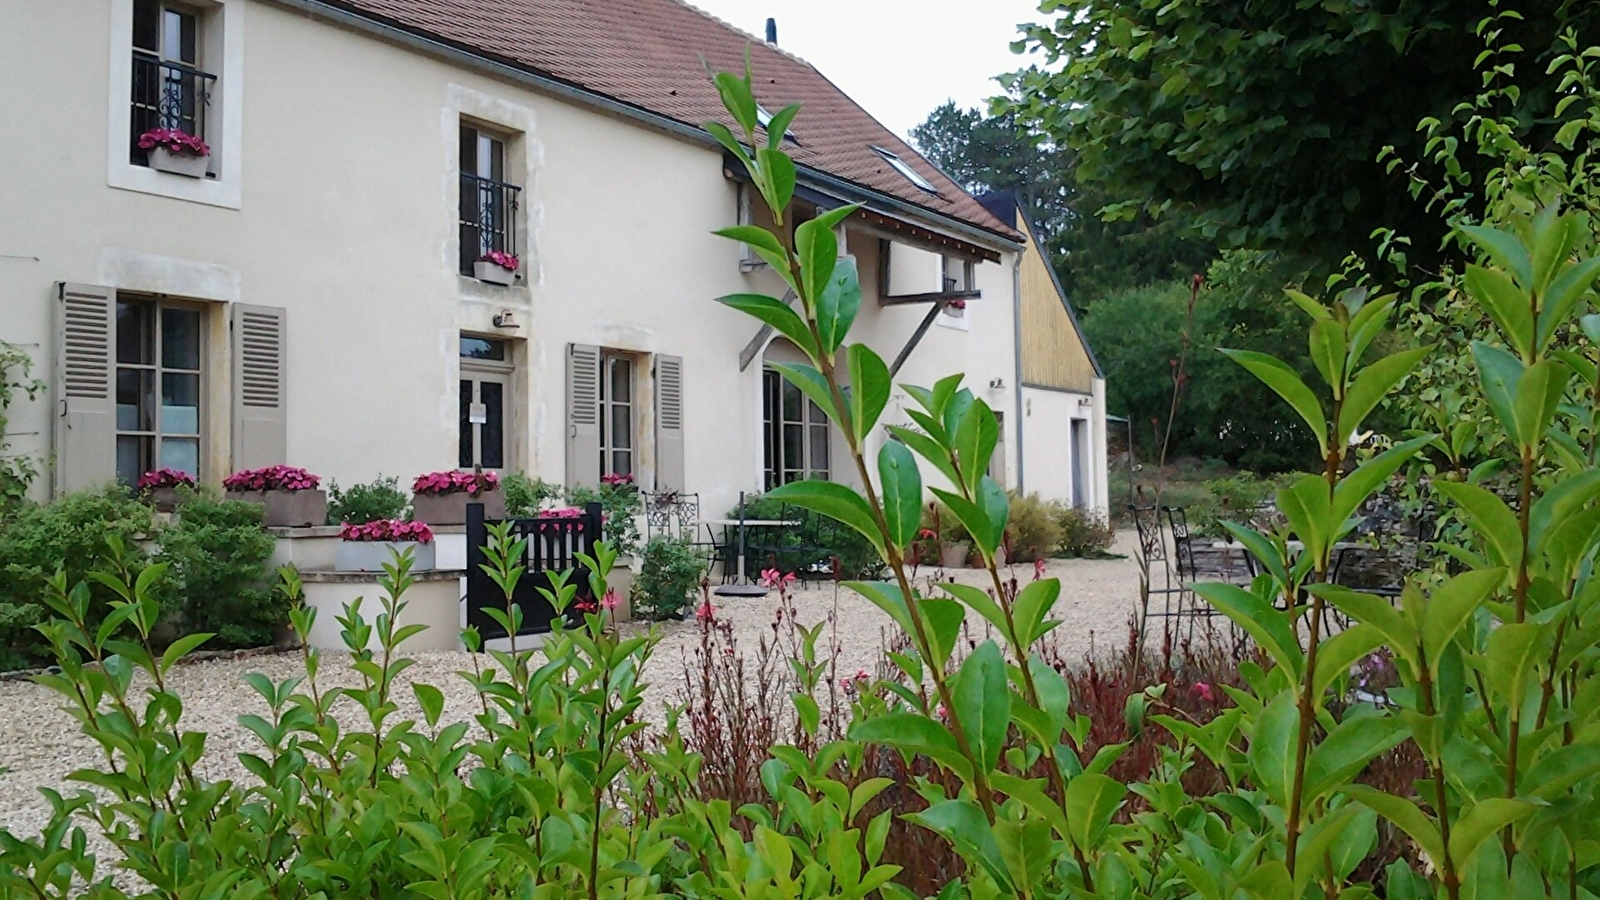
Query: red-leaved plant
x,y
272,478
455,482
176,141
164,478
387,530
504,260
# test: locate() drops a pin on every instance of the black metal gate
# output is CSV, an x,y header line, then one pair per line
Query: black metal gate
x,y
554,543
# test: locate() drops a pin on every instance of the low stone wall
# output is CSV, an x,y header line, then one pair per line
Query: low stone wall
x,y
433,600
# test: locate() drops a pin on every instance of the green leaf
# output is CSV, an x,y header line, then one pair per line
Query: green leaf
x,y
1328,352
182,647
837,307
1025,848
1032,605
1285,383
1092,800
1347,749
1538,394
811,383
1374,611
1507,252
869,389
976,434
1367,478
1261,547
780,171
1557,771
1308,505
764,243
1314,851
913,734
1312,307
1452,605
1370,387
780,315
818,251
980,602
1338,653
1485,818
778,125
1405,815
996,506
1268,625
1507,305
887,597
1271,751
927,448
738,99
431,699
1514,650
835,501
944,619
1563,295
983,702
1499,373
965,825
901,486
1491,520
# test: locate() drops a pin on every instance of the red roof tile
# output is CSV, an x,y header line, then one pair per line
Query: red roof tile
x,y
648,54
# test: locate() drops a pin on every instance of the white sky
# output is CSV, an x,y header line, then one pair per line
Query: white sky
x,y
897,58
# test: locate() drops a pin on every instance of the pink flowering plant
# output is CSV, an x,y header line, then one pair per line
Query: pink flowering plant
x,y
504,260
164,478
175,141
456,482
272,478
387,530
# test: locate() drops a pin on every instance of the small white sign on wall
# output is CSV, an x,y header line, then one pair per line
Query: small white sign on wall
x,y
478,414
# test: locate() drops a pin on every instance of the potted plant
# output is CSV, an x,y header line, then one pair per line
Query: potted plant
x,y
955,545
289,494
496,267
160,488
365,548
441,498
178,152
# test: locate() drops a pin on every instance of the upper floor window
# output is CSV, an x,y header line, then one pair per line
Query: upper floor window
x,y
169,89
488,221
904,168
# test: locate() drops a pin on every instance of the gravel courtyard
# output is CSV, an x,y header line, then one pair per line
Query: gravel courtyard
x,y
40,744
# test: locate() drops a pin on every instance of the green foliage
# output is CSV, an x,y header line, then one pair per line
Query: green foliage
x,y
669,576
1236,498
380,498
217,552
1082,532
525,496
621,505
1264,122
1034,531
76,532
16,380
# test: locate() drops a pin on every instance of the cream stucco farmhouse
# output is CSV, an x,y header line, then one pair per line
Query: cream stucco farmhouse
x,y
420,234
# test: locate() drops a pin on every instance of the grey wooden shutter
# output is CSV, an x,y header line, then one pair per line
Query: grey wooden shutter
x,y
583,415
669,423
260,382
86,408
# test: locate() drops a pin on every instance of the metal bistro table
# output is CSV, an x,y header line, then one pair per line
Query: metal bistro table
x,y
742,587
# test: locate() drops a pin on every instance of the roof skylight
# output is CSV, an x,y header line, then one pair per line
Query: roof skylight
x,y
765,118
905,169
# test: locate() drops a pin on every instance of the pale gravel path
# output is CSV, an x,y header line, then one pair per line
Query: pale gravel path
x,y
40,744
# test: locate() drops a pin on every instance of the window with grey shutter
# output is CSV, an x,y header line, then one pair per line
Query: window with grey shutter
x,y
669,423
86,409
583,415
260,363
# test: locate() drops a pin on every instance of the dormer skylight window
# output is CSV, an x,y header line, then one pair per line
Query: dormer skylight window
x,y
764,116
903,168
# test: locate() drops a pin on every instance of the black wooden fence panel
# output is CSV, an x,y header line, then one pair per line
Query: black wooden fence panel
x,y
554,543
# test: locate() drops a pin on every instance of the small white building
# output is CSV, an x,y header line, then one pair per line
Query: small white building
x,y
311,298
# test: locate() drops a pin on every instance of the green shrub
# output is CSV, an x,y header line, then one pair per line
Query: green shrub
x,y
525,496
218,581
1083,532
1034,529
670,571
621,506
380,498
73,533
1231,499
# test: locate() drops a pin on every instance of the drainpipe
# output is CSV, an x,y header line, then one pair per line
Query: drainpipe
x,y
1021,414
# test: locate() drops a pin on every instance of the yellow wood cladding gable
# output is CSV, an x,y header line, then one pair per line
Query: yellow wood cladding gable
x,y
1053,354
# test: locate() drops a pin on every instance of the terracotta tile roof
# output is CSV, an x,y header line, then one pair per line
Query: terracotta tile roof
x,y
648,54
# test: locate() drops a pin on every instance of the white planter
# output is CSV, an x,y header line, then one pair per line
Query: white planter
x,y
369,556
187,164
494,273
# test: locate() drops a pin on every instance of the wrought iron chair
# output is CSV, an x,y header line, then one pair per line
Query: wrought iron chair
x,y
676,514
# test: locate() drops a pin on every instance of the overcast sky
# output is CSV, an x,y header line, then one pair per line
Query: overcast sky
x,y
898,58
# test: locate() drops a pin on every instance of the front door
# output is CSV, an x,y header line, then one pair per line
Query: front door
x,y
485,403
1080,462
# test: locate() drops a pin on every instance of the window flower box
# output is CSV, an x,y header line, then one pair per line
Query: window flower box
x,y
365,548
177,152
496,267
441,498
289,496
160,488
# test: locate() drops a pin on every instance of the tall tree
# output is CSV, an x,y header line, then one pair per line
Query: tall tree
x,y
1263,120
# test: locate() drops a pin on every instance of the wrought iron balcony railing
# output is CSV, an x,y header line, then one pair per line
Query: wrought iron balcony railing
x,y
488,218
167,94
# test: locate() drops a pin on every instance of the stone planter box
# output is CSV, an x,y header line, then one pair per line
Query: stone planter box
x,y
494,273
187,164
954,556
288,509
621,581
434,600
164,499
451,509
369,556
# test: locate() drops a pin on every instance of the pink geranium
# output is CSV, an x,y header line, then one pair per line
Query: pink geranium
x,y
272,478
955,304
456,482
387,530
504,260
174,141
164,478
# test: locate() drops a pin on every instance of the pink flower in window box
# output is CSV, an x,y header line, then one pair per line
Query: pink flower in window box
x,y
496,267
289,495
160,487
174,141
441,498
507,261
367,547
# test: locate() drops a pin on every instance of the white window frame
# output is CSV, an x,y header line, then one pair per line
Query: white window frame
x,y
220,38
157,368
812,416
608,446
905,170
